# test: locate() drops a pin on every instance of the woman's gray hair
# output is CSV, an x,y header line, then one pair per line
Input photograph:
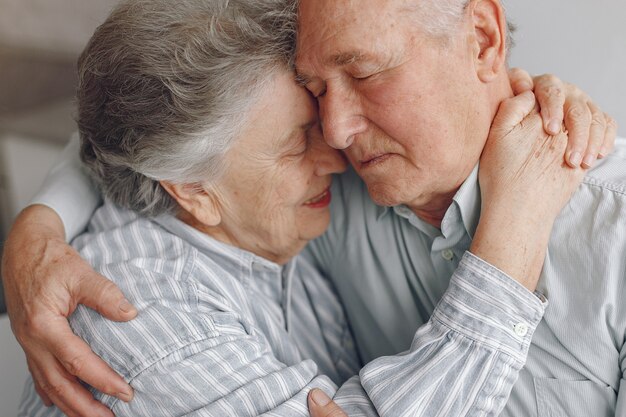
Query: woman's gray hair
x,y
165,87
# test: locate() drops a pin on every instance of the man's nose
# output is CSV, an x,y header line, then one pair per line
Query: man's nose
x,y
341,117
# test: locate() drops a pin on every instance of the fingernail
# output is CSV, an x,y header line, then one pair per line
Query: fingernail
x,y
575,159
589,160
126,306
602,153
554,127
125,396
319,397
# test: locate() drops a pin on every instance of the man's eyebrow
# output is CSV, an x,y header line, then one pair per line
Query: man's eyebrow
x,y
338,60
346,58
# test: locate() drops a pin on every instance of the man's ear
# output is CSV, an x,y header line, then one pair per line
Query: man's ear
x,y
490,28
197,201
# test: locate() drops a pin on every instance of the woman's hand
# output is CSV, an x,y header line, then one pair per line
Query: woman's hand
x,y
591,132
45,279
524,185
531,166
321,405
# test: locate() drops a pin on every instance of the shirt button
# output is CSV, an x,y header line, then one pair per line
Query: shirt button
x,y
521,329
404,211
447,254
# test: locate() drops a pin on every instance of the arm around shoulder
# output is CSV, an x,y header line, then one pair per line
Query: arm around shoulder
x,y
69,191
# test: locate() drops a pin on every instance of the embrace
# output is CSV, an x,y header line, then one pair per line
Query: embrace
x,y
325,208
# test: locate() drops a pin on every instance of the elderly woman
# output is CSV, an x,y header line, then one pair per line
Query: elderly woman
x,y
216,175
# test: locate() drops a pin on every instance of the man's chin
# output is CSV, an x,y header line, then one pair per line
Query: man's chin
x,y
384,195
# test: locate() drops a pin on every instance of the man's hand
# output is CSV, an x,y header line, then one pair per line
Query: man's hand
x,y
591,132
44,280
320,405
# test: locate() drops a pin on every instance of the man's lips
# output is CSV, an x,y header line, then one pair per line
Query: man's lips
x,y
373,160
319,201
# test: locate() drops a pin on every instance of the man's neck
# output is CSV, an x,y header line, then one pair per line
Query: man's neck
x,y
434,212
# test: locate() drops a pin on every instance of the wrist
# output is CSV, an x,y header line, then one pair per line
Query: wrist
x,y
513,243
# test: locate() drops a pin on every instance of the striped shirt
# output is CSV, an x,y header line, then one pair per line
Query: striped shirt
x,y
222,332
577,361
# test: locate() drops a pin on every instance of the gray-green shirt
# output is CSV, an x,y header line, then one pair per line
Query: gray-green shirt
x,y
391,269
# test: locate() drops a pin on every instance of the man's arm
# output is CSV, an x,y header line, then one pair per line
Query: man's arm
x,y
44,280
69,192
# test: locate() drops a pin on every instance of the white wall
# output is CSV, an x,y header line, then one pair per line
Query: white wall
x,y
58,25
583,42
13,370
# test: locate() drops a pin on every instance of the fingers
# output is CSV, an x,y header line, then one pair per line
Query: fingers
x,y
590,132
44,397
596,136
66,392
103,296
78,360
577,122
320,405
512,112
520,80
550,93
609,136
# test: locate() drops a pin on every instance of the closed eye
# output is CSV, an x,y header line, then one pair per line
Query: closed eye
x,y
366,76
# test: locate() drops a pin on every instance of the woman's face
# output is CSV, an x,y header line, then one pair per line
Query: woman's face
x,y
275,194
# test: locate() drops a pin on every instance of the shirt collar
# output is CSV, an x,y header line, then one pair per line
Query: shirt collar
x,y
238,259
468,202
464,211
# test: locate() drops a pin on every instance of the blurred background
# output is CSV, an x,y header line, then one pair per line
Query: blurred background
x,y
582,42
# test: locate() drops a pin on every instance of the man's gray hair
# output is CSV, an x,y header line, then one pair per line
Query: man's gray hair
x,y
439,18
165,87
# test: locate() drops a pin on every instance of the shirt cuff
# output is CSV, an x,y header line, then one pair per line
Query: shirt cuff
x,y
488,306
69,191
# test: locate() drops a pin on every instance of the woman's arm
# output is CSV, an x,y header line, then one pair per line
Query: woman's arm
x,y
204,354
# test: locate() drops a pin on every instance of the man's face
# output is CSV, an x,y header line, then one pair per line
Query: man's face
x,y
406,108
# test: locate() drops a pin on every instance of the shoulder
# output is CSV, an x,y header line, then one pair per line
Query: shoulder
x,y
116,235
600,201
589,235
602,194
177,291
146,261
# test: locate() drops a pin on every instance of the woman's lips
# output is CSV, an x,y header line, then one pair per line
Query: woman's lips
x,y
320,201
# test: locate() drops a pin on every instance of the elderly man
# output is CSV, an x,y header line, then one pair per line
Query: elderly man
x,y
412,106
